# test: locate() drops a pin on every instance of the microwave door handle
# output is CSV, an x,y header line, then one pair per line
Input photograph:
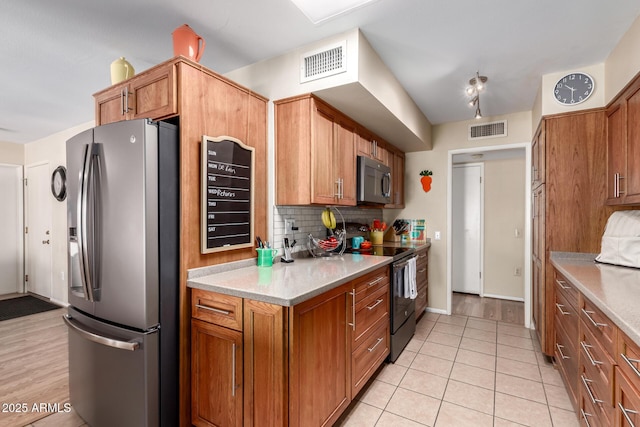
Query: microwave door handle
x,y
386,178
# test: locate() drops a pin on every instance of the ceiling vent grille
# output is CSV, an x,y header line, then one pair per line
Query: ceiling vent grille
x,y
488,130
324,62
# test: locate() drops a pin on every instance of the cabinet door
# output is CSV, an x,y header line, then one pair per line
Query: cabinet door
x,y
319,360
110,105
324,183
616,153
397,177
632,178
538,158
216,375
154,94
345,161
265,368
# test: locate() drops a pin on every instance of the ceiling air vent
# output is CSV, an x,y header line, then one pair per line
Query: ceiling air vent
x,y
488,130
324,62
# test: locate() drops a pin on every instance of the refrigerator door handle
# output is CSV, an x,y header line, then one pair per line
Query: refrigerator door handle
x,y
84,259
91,336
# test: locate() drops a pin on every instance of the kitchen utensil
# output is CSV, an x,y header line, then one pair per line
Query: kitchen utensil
x,y
187,43
266,256
121,70
356,241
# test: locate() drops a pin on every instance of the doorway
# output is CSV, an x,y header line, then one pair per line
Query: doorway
x,y
523,232
467,217
11,223
38,230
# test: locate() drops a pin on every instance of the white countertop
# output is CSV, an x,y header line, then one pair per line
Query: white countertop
x,y
614,290
284,284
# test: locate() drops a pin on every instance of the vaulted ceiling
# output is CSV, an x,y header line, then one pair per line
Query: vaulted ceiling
x,y
56,54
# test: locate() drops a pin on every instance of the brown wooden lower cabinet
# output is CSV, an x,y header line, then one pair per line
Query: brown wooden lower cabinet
x,y
287,366
602,371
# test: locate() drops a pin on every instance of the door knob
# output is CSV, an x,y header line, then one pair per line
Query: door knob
x,y
45,242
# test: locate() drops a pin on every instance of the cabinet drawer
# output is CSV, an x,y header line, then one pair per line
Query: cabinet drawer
x,y
566,355
421,300
628,358
567,315
595,391
600,326
627,401
371,283
369,355
567,289
220,309
589,415
422,258
598,365
369,311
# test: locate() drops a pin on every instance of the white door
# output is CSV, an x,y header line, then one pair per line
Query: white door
x,y
466,228
38,224
11,249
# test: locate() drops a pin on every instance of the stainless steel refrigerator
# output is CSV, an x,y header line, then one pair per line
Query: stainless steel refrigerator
x,y
123,243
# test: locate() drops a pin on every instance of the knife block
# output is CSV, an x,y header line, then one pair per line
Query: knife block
x,y
391,236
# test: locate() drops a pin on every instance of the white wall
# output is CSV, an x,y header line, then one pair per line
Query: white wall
x,y
623,62
504,213
11,153
432,206
52,149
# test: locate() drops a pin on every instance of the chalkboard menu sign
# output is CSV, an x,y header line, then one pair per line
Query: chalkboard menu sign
x,y
227,194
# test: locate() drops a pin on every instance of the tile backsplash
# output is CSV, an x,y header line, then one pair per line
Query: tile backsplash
x,y
308,220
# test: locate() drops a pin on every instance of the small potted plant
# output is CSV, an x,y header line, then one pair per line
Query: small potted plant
x,y
426,180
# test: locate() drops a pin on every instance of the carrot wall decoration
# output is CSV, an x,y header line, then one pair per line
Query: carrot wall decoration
x,y
426,180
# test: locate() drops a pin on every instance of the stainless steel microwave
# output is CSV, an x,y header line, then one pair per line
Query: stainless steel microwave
x,y
374,181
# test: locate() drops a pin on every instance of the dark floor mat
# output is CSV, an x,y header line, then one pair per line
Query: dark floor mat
x,y
23,306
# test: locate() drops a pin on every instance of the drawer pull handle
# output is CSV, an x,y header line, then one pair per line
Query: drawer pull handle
x,y
560,347
371,307
564,313
422,270
596,324
215,310
586,382
626,411
353,309
586,348
373,282
562,284
375,345
584,417
631,362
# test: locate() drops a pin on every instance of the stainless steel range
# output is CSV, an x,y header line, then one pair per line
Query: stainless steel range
x,y
403,317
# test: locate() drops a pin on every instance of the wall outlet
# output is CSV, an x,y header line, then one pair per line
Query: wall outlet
x,y
436,235
517,271
288,226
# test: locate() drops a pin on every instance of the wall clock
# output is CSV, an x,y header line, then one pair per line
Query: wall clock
x,y
573,88
59,183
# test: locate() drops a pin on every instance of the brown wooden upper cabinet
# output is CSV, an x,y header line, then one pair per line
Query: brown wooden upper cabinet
x,y
623,147
369,146
316,148
150,94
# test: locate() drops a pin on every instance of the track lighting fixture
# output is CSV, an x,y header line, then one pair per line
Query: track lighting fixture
x,y
477,84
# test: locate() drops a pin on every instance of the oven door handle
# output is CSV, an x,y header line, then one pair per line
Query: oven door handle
x,y
402,264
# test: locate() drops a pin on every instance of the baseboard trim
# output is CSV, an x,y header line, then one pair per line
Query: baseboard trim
x,y
503,297
436,310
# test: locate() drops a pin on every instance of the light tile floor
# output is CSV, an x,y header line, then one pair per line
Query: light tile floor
x,y
465,371
457,371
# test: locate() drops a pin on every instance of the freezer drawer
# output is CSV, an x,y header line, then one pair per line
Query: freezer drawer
x,y
113,373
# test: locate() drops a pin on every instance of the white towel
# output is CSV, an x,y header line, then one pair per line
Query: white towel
x,y
410,288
